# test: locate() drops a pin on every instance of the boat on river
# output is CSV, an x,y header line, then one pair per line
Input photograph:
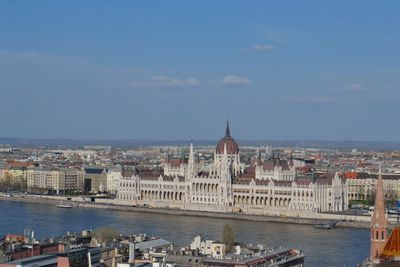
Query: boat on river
x,y
64,206
325,225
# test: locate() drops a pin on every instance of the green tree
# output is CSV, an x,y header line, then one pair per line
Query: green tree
x,y
228,237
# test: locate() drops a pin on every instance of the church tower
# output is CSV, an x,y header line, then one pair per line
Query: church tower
x,y
379,224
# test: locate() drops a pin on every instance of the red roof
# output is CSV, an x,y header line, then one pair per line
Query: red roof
x,y
392,247
176,163
350,175
231,145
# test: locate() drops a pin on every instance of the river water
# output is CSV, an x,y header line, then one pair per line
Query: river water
x,y
337,247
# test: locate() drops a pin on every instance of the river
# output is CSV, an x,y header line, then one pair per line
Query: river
x,y
337,247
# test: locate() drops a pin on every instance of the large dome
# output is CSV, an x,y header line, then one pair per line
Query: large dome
x,y
231,145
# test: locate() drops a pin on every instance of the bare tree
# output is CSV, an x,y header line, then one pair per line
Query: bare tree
x,y
228,237
103,234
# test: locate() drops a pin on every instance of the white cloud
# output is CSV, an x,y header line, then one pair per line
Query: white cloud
x,y
353,88
167,82
262,47
234,80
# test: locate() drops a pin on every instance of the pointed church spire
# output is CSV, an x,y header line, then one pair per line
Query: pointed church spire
x,y
227,131
379,198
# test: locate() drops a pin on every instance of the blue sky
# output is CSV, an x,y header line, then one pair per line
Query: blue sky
x,y
177,69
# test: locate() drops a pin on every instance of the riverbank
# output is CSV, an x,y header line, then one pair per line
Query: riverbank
x,y
180,212
322,247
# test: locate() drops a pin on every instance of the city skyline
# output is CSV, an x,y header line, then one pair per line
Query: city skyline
x,y
199,133
140,70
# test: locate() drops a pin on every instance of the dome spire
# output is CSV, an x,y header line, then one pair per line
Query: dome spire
x,y
227,131
231,145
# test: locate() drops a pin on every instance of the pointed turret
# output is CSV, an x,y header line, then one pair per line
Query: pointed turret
x,y
182,155
191,153
191,161
379,224
259,161
291,157
227,131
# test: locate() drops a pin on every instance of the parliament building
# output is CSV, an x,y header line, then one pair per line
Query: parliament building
x,y
226,185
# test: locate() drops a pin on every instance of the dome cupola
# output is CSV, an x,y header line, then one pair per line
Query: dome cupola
x,y
231,145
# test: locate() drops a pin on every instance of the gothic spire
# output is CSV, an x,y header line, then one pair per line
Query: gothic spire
x,y
191,161
379,212
227,131
191,153
182,154
379,222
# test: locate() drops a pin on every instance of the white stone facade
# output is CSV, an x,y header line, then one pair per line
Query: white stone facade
x,y
113,177
228,186
362,186
210,248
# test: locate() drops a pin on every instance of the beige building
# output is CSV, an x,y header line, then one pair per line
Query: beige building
x,y
361,185
74,179
45,179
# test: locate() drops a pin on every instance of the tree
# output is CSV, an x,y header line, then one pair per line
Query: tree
x,y
371,197
103,234
228,237
13,183
6,182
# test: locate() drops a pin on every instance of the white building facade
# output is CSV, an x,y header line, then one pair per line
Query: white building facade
x,y
229,186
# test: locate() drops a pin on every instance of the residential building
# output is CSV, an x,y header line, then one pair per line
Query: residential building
x,y
95,179
41,178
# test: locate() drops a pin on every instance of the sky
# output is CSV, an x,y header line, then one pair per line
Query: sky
x,y
176,70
